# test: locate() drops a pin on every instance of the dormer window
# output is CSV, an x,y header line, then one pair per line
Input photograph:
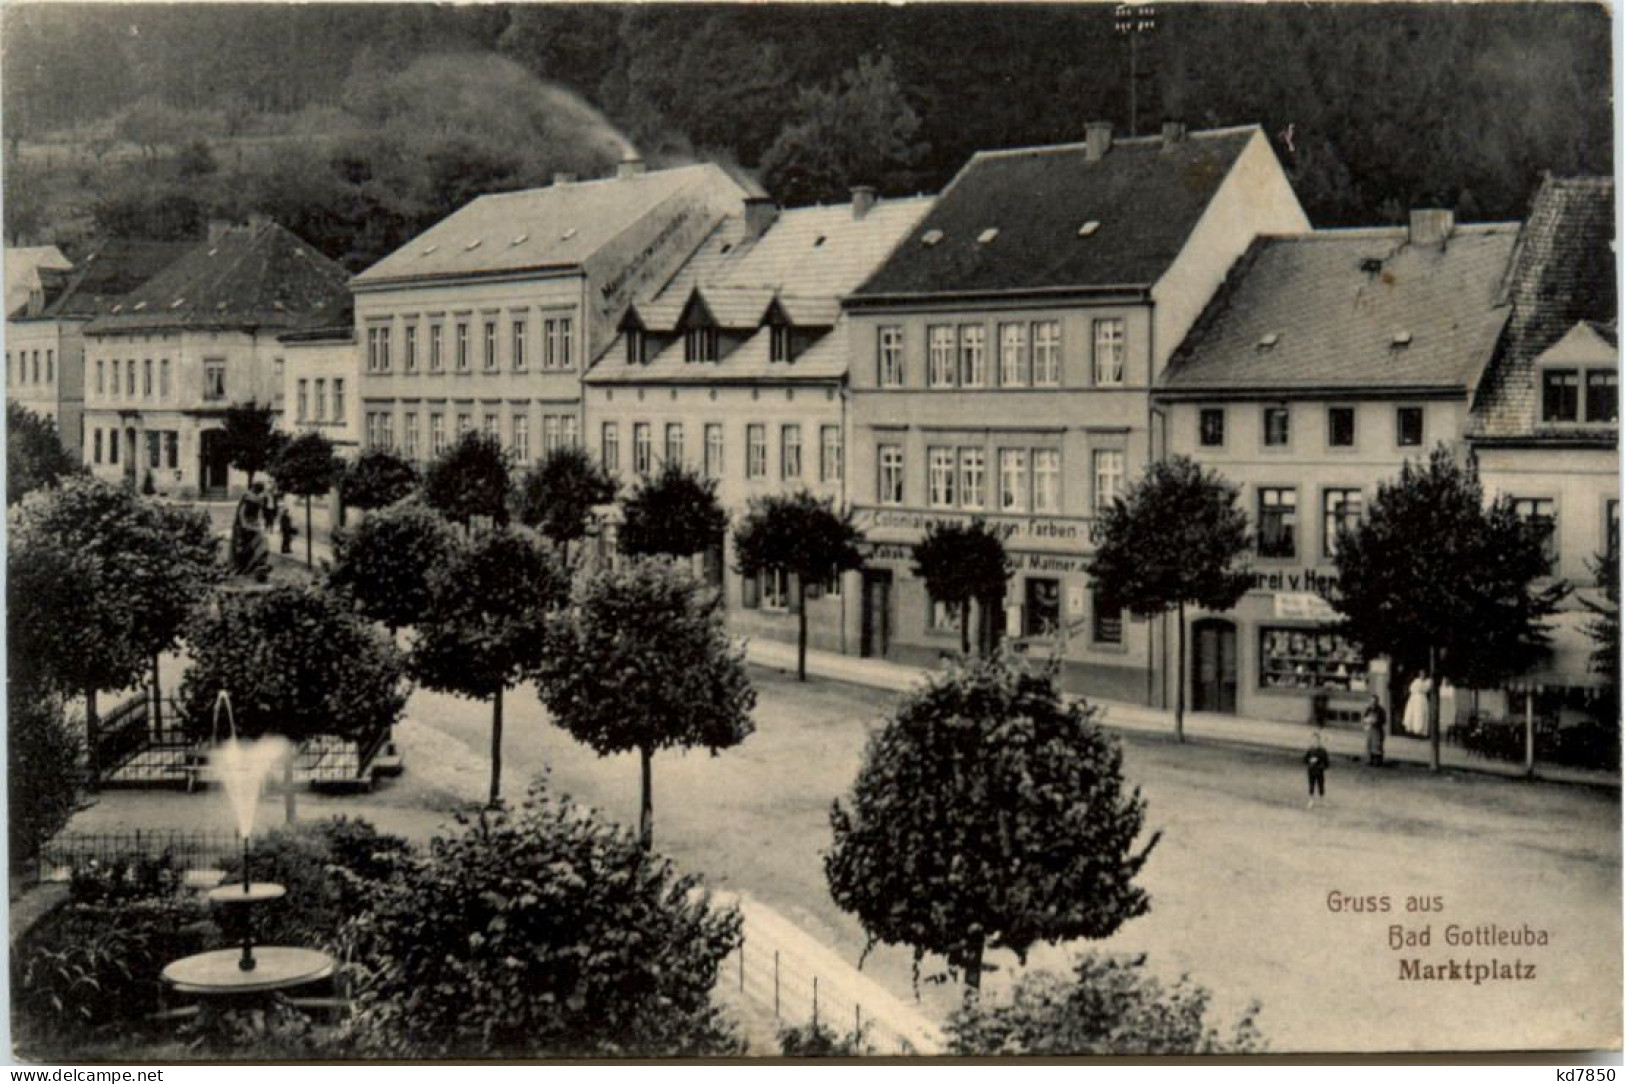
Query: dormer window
x,y
1560,395
1602,396
634,347
780,342
700,344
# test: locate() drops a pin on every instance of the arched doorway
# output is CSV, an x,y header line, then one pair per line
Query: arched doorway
x,y
1213,666
212,468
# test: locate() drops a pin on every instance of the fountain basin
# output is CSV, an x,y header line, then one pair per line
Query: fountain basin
x,y
217,973
256,892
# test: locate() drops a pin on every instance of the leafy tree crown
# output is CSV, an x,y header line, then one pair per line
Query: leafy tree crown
x,y
962,563
387,563
558,494
797,533
250,437
675,513
306,466
471,478
377,479
35,457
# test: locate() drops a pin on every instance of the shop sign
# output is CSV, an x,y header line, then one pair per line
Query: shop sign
x,y
1308,580
1300,606
1068,532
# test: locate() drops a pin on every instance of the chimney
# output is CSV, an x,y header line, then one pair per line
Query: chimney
x,y
863,200
1173,131
1097,140
630,166
1431,225
563,177
760,214
218,228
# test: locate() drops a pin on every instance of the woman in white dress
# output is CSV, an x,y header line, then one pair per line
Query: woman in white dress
x,y
1416,706
1447,706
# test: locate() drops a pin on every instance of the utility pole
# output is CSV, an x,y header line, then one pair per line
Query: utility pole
x,y
1132,22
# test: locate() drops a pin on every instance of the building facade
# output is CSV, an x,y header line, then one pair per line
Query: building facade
x,y
487,320
1002,366
321,375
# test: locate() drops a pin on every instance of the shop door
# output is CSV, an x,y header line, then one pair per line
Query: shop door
x,y
877,619
1213,667
1042,614
212,465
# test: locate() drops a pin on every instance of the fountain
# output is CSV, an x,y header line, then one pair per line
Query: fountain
x,y
242,766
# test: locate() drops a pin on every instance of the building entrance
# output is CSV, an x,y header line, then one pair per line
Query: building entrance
x,y
1041,615
212,466
1213,666
877,613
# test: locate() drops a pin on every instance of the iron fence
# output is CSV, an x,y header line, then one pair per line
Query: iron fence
x,y
194,849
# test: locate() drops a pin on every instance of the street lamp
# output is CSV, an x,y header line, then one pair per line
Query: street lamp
x,y
1132,21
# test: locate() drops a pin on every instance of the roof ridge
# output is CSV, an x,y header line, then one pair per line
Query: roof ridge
x,y
582,184
1133,141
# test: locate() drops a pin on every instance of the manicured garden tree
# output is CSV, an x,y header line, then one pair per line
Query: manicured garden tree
x,y
470,479
1110,1005
250,438
177,569
674,513
35,457
386,563
557,495
377,479
43,771
1177,538
1435,577
988,814
798,535
543,932
961,564
485,625
297,662
307,467
642,660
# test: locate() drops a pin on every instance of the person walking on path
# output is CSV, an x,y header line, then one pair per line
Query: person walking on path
x,y
1317,760
1416,706
1376,731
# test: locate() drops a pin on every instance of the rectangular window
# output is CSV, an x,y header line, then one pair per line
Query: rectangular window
x,y
891,474
941,470
642,448
700,344
1343,508
774,586
1047,354
1602,395
493,427
1340,427
96,440
519,344
146,378
634,347
465,424
521,437
372,429
383,348
1015,367
409,435
50,369
713,450
569,435
387,429
1047,481
1106,626
437,434
674,442
944,617
891,357
610,447
556,353
37,372
411,348
1560,395
489,347
172,449
321,400
972,355
972,477
214,380
101,374
462,346
1299,658
129,376
1210,426
550,434
779,343
1542,512
1408,426
163,378
22,372
829,453
1108,478
756,451
940,372
302,401
790,452
1277,522
338,400
436,361
1277,427
1109,352
1012,479
112,445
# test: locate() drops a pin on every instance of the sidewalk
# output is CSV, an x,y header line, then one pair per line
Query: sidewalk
x,y
1199,726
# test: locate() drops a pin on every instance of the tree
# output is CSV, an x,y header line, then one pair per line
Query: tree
x,y
1604,625
485,624
469,479
988,813
557,496
961,564
387,563
1109,1006
798,535
35,457
43,771
674,513
177,566
250,437
1175,539
297,662
642,660
307,467
1434,577
540,932
377,479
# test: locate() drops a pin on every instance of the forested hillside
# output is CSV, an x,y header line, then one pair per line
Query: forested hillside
x,y
358,125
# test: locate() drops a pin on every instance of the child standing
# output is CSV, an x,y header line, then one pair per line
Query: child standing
x,y
1317,760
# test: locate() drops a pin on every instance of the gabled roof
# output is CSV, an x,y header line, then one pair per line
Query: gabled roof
x,y
111,269
825,360
1562,273
806,311
559,226
249,278
1021,219
1350,311
741,307
23,267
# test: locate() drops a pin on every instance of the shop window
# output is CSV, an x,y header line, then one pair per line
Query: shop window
x,y
1308,659
943,618
1106,625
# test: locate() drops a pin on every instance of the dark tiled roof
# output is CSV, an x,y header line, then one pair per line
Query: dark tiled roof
x,y
1561,274
110,270
1146,197
253,277
1350,309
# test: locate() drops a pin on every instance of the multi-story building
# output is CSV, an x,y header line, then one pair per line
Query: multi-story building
x,y
45,346
737,368
1325,362
487,319
1545,422
1002,365
163,364
27,270
321,375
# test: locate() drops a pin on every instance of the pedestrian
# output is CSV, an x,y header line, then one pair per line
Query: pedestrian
x,y
1317,760
289,531
1376,731
1416,705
